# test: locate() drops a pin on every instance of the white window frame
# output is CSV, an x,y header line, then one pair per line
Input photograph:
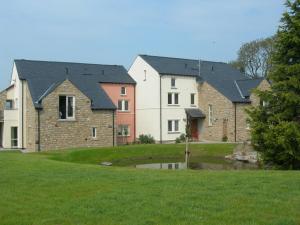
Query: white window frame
x,y
67,108
173,86
125,93
193,94
210,115
122,126
94,132
14,139
123,105
173,126
173,98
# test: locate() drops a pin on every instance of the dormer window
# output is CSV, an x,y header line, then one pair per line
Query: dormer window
x,y
173,83
123,91
66,107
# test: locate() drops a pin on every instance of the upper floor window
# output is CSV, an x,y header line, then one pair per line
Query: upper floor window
x,y
192,99
173,83
123,91
210,115
9,104
66,107
173,98
123,105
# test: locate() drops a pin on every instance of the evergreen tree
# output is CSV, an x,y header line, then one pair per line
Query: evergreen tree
x,y
276,124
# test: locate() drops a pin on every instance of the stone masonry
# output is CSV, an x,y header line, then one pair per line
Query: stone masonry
x,y
224,114
61,134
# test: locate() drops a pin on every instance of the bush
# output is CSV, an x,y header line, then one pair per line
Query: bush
x,y
146,139
180,139
224,138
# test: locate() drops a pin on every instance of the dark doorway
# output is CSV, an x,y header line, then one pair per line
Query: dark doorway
x,y
194,129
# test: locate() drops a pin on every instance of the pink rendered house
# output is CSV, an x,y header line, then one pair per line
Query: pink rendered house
x,y
123,96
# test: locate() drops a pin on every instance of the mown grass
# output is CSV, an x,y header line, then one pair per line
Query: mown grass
x,y
37,190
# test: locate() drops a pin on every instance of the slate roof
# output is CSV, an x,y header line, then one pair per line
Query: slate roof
x,y
195,113
222,76
44,76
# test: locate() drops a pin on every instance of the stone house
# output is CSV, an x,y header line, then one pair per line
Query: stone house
x,y
55,105
212,96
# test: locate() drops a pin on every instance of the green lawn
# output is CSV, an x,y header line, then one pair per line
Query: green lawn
x,y
37,190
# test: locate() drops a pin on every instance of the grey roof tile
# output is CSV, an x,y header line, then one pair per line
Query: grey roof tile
x,y
220,75
44,76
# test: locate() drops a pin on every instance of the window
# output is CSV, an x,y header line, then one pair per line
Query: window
x,y
169,98
173,98
123,105
9,104
66,107
14,137
192,99
145,75
173,82
173,126
123,130
123,91
94,132
210,115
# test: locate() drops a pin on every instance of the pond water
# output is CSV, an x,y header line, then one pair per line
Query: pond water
x,y
233,165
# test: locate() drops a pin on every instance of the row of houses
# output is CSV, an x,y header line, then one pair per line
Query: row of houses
x,y
55,105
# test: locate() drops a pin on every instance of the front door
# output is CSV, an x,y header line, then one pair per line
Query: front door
x,y
194,129
14,137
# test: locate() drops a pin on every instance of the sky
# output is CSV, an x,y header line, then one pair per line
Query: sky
x,y
116,31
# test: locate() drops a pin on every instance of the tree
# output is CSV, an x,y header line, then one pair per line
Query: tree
x,y
254,57
275,126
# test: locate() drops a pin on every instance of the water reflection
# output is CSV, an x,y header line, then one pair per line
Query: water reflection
x,y
235,165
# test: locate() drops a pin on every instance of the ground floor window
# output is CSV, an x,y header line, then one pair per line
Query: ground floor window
x,y
14,137
94,132
173,125
123,130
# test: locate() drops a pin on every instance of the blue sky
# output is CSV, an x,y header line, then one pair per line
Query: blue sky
x,y
115,31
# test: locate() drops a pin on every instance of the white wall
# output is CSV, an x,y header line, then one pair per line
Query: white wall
x,y
147,98
12,118
185,86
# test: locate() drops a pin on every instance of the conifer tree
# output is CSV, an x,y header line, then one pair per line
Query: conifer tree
x,y
276,124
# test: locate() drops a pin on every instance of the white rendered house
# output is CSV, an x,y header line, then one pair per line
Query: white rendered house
x,y
162,100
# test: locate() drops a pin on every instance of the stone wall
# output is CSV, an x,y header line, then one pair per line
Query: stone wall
x,y
60,134
2,103
223,114
30,123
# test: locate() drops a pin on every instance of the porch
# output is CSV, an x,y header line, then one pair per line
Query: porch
x,y
195,118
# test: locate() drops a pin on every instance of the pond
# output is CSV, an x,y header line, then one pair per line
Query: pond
x,y
230,165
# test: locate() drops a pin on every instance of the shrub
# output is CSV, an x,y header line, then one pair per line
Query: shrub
x,y
146,139
180,139
224,138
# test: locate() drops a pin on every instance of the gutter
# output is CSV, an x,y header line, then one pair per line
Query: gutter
x,y
113,126
39,131
234,122
134,114
22,84
160,110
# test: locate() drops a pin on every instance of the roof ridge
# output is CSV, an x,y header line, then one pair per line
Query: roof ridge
x,y
47,61
246,79
168,57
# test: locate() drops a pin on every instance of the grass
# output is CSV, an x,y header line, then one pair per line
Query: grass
x,y
37,190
